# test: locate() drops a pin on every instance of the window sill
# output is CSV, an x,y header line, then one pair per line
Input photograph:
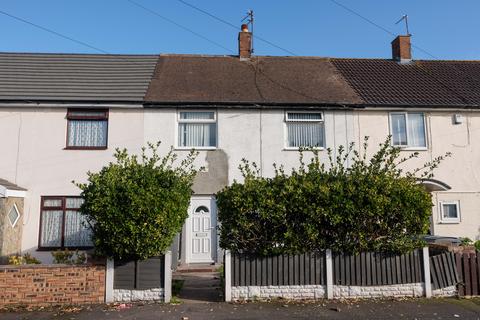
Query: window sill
x,y
449,222
195,148
40,249
412,148
85,148
298,149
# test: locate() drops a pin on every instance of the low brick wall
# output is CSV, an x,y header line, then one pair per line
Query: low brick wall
x,y
52,284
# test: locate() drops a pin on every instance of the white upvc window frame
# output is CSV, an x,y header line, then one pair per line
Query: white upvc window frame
x,y
180,121
450,220
407,147
287,120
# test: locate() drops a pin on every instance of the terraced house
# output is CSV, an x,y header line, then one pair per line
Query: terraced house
x,y
64,114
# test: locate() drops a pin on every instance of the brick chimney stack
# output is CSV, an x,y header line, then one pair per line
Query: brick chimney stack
x,y
244,43
401,49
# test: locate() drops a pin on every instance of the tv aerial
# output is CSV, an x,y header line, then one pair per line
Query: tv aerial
x,y
249,19
404,18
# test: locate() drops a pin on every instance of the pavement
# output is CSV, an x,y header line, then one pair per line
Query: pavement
x,y
278,310
200,299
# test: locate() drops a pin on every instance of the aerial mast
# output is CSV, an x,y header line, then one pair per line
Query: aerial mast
x,y
249,19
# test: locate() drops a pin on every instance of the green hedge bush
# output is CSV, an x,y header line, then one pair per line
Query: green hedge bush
x,y
370,204
135,207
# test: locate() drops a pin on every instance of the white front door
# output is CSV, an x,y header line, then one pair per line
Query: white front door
x,y
201,234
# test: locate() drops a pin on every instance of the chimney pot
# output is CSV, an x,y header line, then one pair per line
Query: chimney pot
x,y
401,49
244,43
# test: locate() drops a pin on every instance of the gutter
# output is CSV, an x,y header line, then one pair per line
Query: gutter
x,y
253,105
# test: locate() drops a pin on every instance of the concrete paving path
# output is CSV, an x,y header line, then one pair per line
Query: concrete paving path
x,y
200,287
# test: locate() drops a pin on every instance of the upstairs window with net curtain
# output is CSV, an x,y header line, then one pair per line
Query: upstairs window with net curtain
x,y
87,129
305,129
62,225
408,129
197,129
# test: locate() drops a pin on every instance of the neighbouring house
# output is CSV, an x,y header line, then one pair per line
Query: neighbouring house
x,y
64,114
11,221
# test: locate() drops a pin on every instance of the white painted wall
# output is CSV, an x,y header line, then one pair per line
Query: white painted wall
x,y
33,140
32,155
240,136
461,171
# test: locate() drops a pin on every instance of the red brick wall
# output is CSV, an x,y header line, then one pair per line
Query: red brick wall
x,y
52,284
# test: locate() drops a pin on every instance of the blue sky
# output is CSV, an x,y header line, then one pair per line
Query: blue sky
x,y
447,29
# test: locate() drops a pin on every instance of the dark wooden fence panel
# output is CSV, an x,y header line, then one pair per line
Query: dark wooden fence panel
x,y
373,269
139,275
301,269
443,270
468,267
124,275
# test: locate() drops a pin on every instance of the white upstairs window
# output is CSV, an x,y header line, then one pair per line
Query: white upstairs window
x,y
450,211
197,129
408,129
305,129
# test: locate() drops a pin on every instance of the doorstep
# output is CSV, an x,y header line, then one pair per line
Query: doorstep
x,y
197,267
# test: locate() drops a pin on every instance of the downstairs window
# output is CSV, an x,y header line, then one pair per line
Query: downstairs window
x,y
62,225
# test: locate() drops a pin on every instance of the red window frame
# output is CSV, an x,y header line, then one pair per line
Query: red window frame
x,y
64,209
72,116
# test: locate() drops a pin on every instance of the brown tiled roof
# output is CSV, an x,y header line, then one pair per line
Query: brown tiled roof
x,y
262,80
419,83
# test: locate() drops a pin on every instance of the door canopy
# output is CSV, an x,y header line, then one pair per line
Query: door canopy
x,y
433,185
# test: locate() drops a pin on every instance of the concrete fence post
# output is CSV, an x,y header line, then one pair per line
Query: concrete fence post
x,y
329,269
227,266
426,269
167,291
109,281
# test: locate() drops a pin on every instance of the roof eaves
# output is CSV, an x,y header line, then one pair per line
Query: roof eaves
x,y
250,104
420,106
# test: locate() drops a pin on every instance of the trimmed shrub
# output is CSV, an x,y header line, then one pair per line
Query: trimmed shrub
x,y
370,205
135,207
